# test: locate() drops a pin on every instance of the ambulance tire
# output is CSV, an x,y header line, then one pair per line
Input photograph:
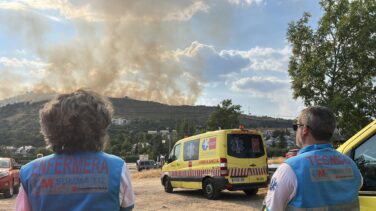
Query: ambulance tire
x,y
167,185
16,188
9,193
210,190
251,192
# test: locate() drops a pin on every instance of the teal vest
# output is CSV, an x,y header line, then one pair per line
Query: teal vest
x,y
81,181
327,179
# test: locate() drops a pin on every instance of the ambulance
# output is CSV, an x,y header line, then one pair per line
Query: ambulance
x,y
362,149
232,159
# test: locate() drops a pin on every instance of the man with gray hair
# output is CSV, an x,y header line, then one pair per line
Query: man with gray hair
x,y
319,177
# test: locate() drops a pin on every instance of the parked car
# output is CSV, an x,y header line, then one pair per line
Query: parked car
x,y
9,177
292,153
362,149
146,164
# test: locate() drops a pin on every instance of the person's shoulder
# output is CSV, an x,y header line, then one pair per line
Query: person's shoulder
x,y
36,161
284,173
294,159
284,167
112,157
347,158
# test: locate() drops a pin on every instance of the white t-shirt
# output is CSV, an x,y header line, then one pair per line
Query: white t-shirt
x,y
126,194
282,188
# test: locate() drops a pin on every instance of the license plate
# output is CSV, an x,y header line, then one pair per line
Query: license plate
x,y
238,179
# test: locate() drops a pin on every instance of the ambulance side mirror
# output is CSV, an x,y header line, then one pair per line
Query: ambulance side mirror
x,y
171,159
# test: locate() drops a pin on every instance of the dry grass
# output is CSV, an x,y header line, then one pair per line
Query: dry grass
x,y
152,173
276,160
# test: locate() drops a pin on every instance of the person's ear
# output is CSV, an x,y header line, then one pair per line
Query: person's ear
x,y
305,129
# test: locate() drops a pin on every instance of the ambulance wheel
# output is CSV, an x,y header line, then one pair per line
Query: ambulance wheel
x,y
210,190
251,192
9,193
167,185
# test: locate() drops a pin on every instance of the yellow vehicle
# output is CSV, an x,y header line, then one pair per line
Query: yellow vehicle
x,y
362,149
233,159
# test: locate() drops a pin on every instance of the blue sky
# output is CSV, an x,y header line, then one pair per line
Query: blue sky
x,y
175,52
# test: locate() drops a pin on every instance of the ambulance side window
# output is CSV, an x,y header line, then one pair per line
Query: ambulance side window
x,y
191,149
175,156
365,158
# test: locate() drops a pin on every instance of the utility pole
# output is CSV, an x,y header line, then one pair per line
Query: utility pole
x,y
169,139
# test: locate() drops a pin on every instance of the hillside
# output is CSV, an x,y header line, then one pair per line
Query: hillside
x,y
19,122
136,109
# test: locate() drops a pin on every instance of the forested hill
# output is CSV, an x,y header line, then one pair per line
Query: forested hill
x,y
136,109
19,122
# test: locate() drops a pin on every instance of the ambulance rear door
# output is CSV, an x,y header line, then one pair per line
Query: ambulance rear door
x,y
246,158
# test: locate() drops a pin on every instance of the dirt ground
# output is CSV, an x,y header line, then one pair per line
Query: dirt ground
x,y
150,196
7,204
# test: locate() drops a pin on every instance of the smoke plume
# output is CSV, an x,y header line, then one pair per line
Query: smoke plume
x,y
118,48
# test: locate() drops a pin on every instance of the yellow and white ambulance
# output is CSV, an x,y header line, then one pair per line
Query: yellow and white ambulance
x,y
233,159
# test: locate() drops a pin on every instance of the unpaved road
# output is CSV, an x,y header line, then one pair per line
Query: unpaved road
x,y
7,204
150,196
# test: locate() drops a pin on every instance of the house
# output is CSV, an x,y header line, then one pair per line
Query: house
x,y
119,121
25,151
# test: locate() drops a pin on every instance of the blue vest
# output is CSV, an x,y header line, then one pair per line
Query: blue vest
x,y
81,181
327,179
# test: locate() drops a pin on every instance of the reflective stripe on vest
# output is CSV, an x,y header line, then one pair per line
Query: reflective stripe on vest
x,y
82,181
326,178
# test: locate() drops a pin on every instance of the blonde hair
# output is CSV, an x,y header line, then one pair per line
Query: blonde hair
x,y
76,122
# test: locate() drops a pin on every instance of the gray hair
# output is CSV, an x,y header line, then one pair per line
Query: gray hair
x,y
76,121
320,120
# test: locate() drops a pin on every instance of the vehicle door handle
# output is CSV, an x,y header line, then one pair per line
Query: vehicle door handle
x,y
253,165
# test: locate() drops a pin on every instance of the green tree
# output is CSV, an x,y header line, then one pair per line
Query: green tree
x,y
43,150
185,128
157,147
282,143
280,136
225,116
335,64
278,133
126,147
5,152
